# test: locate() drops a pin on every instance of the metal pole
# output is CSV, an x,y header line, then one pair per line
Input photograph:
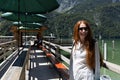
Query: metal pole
x,y
105,51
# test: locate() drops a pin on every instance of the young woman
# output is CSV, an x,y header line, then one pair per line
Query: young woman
x,y
82,61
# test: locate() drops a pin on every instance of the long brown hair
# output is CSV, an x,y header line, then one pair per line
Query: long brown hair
x,y
89,43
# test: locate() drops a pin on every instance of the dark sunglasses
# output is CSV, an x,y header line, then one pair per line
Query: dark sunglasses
x,y
83,28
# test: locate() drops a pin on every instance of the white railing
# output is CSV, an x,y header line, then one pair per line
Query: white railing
x,y
26,65
7,48
53,47
17,72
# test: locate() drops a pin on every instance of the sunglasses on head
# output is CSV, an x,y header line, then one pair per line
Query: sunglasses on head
x,y
83,28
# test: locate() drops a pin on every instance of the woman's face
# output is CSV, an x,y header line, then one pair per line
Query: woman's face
x,y
83,30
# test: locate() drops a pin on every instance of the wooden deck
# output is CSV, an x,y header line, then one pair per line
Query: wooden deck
x,y
40,67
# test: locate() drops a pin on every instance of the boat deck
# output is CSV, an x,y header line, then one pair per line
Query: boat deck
x,y
40,67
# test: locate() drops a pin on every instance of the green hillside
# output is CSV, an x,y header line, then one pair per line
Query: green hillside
x,y
104,17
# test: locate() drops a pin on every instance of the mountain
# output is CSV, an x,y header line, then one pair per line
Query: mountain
x,y
102,14
66,5
69,4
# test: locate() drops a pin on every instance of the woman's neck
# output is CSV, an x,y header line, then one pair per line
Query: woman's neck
x,y
82,41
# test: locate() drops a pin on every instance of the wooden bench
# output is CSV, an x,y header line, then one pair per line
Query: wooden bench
x,y
61,68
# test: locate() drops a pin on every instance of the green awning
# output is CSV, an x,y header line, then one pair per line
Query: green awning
x,y
28,25
28,6
24,17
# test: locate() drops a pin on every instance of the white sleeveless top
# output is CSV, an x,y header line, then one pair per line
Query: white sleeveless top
x,y
80,69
